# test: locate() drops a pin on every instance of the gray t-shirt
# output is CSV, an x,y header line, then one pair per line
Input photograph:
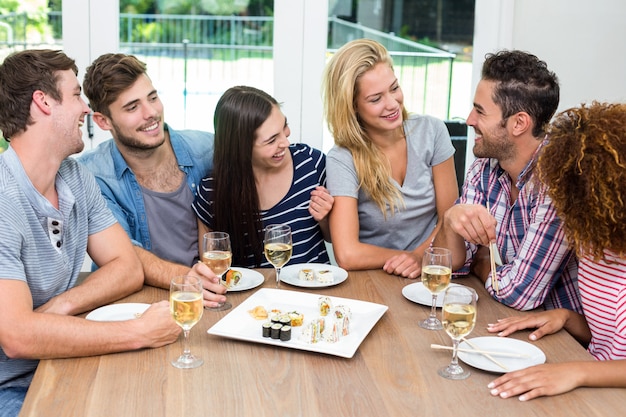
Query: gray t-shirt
x,y
428,144
172,224
41,245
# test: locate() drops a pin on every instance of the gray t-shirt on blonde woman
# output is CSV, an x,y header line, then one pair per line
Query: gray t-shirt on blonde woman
x,y
428,144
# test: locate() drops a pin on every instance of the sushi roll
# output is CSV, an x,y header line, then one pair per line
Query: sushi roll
x,y
325,276
285,333
275,330
325,305
296,319
306,274
285,320
232,277
267,329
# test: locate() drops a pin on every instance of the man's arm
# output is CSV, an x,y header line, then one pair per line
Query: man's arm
x,y
461,223
159,272
119,274
29,334
52,330
525,281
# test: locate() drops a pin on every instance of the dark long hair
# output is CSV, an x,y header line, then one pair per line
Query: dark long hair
x,y
238,114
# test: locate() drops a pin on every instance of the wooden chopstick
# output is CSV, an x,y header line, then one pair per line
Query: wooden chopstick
x,y
482,352
492,248
486,355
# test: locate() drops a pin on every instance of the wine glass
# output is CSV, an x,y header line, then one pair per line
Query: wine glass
x,y
217,255
459,318
436,273
278,247
186,308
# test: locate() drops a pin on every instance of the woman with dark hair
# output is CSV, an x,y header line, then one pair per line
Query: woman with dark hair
x,y
259,178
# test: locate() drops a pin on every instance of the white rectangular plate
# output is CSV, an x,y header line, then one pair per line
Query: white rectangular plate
x,y
239,324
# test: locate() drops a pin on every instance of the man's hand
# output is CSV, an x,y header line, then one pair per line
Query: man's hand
x,y
473,222
213,290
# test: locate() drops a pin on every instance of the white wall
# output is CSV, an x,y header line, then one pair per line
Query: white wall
x,y
90,29
580,40
300,32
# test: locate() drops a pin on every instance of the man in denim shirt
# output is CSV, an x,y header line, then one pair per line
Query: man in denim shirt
x,y
148,172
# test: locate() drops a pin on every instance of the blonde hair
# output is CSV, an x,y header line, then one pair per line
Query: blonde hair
x,y
340,91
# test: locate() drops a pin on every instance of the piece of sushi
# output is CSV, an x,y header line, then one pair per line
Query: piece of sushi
x,y
325,276
232,277
306,274
285,333
296,319
325,305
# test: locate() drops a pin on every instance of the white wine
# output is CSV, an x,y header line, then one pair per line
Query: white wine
x,y
436,277
186,308
218,261
458,319
278,254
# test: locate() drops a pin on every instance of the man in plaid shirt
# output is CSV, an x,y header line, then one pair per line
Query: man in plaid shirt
x,y
502,202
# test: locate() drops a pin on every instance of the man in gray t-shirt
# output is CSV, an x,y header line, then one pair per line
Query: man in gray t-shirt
x,y
53,214
147,170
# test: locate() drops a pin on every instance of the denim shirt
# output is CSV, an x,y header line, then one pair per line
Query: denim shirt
x,y
119,186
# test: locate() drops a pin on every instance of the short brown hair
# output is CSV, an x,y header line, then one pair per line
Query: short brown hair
x,y
21,74
108,76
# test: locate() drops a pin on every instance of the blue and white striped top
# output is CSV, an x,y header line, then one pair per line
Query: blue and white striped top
x,y
41,245
308,242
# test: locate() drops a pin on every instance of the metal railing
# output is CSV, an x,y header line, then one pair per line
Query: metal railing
x,y
201,56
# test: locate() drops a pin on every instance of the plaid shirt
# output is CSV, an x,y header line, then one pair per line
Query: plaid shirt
x,y
539,268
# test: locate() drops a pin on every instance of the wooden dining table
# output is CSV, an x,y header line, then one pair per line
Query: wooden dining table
x,y
392,373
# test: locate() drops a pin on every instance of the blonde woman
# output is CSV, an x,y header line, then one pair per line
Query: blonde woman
x,y
392,175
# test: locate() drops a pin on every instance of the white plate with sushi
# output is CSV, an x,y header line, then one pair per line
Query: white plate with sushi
x,y
313,275
529,354
240,323
249,279
419,294
118,312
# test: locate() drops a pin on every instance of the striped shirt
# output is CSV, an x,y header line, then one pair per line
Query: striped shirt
x,y
308,242
43,246
603,291
539,268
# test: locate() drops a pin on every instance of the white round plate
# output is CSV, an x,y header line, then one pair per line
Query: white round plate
x,y
249,279
419,294
289,275
532,354
118,312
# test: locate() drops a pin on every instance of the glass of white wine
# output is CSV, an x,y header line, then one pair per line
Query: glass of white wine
x,y
217,255
436,273
278,247
186,308
459,318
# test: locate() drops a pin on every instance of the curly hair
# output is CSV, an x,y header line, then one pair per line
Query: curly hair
x,y
584,166
523,83
340,91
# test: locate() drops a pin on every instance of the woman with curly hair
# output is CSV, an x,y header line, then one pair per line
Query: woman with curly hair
x,y
584,166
